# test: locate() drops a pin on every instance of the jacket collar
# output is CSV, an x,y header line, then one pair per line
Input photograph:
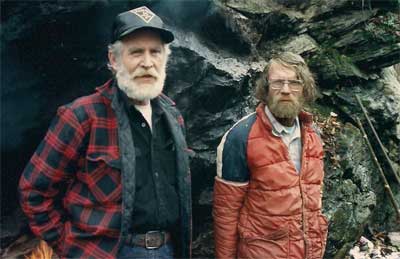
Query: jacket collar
x,y
107,89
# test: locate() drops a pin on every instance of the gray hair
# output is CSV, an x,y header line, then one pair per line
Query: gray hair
x,y
292,61
117,47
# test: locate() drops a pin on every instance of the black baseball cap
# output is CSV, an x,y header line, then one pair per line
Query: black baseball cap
x,y
139,18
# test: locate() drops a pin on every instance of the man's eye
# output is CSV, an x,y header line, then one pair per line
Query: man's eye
x,y
134,52
295,82
279,82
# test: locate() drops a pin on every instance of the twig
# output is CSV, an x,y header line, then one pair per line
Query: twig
x,y
378,140
386,184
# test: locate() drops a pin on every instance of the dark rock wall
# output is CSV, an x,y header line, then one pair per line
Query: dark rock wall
x,y
55,51
51,53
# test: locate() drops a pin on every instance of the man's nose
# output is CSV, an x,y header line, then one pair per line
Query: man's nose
x,y
285,88
147,61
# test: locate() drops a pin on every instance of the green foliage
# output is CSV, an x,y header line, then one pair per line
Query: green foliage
x,y
384,28
332,65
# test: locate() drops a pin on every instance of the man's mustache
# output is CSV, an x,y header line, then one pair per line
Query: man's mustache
x,y
286,99
140,73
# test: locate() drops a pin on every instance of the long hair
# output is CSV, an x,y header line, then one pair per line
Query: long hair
x,y
296,63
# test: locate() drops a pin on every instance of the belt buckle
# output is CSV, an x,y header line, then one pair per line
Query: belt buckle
x,y
146,240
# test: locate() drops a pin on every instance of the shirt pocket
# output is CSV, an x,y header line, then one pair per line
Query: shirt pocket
x,y
168,145
168,163
167,160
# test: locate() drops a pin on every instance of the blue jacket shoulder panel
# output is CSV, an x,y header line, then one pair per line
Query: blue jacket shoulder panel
x,y
232,151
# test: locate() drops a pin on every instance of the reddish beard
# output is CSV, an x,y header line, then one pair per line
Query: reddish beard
x,y
285,109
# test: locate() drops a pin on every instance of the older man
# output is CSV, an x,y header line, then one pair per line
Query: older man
x,y
111,177
267,196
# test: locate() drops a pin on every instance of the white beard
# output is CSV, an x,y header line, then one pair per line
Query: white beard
x,y
140,92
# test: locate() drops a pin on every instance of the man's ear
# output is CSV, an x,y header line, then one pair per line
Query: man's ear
x,y
112,59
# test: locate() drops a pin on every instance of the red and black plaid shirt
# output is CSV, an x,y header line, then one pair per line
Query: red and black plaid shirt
x,y
71,188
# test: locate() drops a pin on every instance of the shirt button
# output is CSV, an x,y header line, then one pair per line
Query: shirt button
x,y
143,125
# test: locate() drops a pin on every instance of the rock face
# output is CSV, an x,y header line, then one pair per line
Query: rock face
x,y
55,52
349,197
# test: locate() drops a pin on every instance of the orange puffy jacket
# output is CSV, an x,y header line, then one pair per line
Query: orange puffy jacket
x,y
262,207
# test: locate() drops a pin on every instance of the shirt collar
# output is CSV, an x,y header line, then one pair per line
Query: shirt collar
x,y
278,129
155,103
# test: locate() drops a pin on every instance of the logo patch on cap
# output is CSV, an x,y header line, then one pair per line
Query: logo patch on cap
x,y
144,13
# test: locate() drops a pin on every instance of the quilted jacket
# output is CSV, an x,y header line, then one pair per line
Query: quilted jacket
x,y
263,208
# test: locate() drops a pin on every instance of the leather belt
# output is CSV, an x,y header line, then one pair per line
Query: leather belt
x,y
150,240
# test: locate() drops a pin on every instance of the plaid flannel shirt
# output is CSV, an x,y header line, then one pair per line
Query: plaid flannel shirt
x,y
71,189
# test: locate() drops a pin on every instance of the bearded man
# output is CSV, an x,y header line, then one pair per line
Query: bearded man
x,y
267,192
111,178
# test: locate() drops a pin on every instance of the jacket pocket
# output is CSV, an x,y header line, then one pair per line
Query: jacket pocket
x,y
323,225
106,158
102,177
274,245
318,230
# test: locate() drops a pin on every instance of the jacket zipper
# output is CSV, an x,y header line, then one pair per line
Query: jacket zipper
x,y
303,214
303,162
303,211
304,223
